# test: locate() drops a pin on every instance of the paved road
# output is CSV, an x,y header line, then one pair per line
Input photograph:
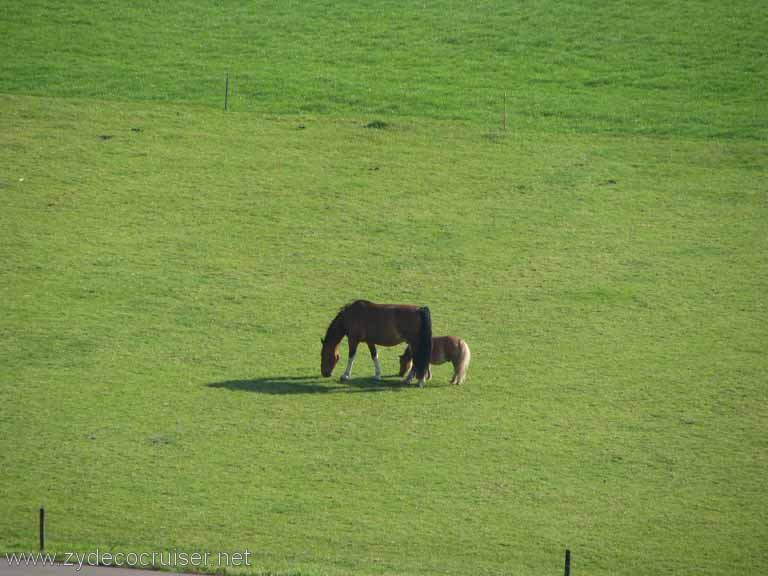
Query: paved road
x,y
86,570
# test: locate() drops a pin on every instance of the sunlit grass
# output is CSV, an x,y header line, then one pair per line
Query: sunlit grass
x,y
167,270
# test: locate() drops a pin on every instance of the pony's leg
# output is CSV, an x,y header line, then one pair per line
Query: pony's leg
x,y
350,360
375,357
410,375
462,363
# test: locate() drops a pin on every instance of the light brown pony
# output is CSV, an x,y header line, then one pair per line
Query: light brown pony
x,y
444,349
382,324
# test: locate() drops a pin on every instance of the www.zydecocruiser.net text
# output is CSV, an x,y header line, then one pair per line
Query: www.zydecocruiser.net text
x,y
175,559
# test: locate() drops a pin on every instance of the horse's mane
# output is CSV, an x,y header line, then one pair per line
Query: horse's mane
x,y
334,325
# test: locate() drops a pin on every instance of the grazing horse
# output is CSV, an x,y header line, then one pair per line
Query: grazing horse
x,y
444,349
382,324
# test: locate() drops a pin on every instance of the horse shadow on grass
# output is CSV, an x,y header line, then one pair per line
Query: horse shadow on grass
x,y
308,385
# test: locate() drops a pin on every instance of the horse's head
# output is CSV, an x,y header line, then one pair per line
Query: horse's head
x,y
406,361
329,355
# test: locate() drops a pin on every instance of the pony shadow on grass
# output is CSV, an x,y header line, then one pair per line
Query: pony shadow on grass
x,y
308,385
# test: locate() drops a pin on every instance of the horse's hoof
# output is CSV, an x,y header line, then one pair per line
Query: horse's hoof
x,y
377,376
344,378
421,383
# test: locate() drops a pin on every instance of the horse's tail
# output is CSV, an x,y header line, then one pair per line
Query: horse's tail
x,y
464,357
423,352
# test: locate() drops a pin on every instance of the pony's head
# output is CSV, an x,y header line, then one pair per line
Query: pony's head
x,y
406,361
329,356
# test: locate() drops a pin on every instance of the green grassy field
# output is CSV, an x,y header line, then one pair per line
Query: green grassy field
x,y
167,270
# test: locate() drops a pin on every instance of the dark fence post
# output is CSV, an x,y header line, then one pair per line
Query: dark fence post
x,y
505,110
567,562
226,92
42,528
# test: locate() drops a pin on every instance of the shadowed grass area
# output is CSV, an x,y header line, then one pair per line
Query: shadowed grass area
x,y
306,385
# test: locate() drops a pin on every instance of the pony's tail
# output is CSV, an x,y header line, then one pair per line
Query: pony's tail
x,y
423,353
464,357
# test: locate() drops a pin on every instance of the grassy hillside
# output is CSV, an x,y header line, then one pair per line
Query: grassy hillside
x,y
690,69
167,269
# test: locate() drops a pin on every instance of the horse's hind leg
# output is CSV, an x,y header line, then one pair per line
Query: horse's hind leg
x,y
411,375
375,358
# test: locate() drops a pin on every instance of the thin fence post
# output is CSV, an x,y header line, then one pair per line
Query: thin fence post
x,y
567,562
505,110
42,528
226,92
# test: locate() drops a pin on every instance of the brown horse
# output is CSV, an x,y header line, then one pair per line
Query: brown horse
x,y
444,349
382,324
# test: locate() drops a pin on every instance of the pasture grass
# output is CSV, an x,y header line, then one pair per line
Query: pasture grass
x,y
165,289
694,69
167,270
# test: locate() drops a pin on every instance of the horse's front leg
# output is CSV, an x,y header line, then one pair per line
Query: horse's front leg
x,y
375,358
351,359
